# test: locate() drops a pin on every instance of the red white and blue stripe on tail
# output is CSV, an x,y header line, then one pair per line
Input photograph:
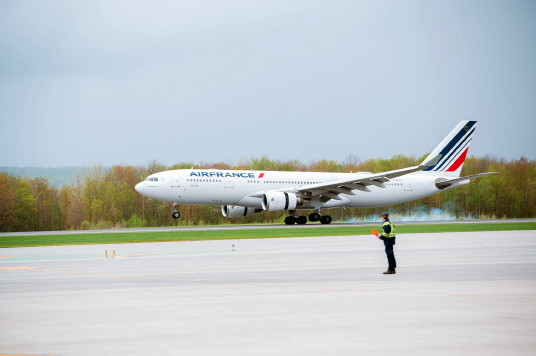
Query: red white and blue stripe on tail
x,y
453,149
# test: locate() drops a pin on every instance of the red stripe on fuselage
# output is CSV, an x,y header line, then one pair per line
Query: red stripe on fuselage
x,y
261,175
458,162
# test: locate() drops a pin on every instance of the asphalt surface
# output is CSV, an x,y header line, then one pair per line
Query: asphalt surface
x,y
454,294
260,226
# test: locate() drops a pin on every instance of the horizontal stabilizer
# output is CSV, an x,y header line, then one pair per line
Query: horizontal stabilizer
x,y
448,182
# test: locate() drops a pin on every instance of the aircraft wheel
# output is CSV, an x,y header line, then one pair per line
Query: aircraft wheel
x,y
325,219
175,215
301,220
290,220
314,217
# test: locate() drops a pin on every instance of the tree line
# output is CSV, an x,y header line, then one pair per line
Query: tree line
x,y
105,197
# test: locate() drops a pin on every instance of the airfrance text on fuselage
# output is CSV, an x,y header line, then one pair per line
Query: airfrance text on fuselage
x,y
225,174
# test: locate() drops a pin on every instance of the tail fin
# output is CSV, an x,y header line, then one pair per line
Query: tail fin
x,y
453,149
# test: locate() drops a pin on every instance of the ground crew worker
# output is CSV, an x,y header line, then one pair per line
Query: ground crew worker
x,y
389,238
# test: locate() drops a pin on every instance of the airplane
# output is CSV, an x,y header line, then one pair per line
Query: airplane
x,y
244,193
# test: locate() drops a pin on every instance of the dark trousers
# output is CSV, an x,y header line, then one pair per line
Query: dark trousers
x,y
389,244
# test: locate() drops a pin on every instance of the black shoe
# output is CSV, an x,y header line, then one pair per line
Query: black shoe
x,y
390,271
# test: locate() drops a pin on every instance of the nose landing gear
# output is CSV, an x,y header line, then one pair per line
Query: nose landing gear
x,y
175,214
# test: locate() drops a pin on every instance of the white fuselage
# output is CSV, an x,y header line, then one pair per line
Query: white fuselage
x,y
242,188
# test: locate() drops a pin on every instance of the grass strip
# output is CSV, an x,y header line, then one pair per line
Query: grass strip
x,y
111,238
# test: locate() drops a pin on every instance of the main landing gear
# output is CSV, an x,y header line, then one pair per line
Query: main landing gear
x,y
175,214
324,219
302,220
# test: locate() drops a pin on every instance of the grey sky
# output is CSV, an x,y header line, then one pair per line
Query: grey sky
x,y
125,82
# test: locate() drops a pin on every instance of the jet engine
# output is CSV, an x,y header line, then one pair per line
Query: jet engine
x,y
276,201
233,211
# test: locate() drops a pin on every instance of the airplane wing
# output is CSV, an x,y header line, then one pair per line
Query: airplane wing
x,y
331,190
448,182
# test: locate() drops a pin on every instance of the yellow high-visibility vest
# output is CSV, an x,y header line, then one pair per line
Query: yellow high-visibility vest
x,y
392,233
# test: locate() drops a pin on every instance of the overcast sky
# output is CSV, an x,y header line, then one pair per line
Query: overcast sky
x,y
125,82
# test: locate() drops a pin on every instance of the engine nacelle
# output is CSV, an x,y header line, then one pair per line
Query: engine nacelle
x,y
277,201
233,211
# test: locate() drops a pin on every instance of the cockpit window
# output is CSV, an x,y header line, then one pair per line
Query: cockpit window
x,y
155,179
151,179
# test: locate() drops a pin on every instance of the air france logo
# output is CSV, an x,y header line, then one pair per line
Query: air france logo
x,y
225,174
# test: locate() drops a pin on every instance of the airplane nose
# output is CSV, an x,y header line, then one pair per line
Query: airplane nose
x,y
138,188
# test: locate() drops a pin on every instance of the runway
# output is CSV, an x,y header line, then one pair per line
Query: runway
x,y
258,226
454,294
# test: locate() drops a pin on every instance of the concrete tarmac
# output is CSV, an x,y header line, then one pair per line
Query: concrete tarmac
x,y
454,294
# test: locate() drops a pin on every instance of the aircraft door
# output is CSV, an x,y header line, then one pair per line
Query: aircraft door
x,y
407,184
228,183
175,180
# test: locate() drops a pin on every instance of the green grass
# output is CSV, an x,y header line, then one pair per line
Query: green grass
x,y
158,236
